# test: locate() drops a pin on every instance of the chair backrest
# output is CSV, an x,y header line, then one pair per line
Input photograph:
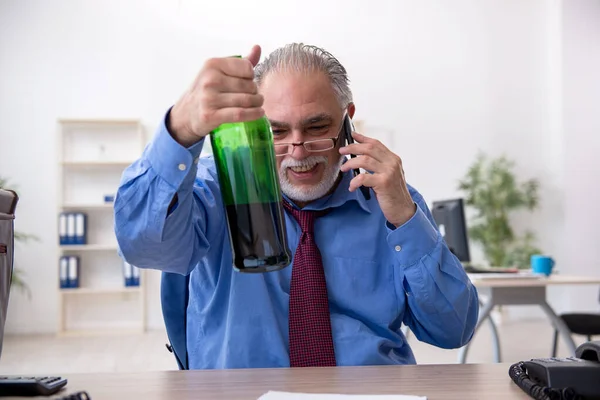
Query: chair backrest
x,y
8,204
174,295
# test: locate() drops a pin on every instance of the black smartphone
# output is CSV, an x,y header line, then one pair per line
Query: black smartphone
x,y
348,129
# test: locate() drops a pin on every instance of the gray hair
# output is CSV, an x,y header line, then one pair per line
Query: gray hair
x,y
301,57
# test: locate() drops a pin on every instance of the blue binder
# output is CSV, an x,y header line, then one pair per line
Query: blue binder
x,y
63,272
70,228
80,235
135,276
128,274
62,229
73,275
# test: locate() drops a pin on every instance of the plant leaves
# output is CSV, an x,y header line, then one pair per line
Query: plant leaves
x,y
492,190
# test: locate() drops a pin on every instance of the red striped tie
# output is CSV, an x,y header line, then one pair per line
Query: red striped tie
x,y
311,341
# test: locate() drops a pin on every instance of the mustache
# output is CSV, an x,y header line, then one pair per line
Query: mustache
x,y
307,162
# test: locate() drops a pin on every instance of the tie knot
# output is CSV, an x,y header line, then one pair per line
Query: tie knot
x,y
306,218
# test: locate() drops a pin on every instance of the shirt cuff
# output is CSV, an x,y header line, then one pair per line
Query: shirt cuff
x,y
172,161
413,240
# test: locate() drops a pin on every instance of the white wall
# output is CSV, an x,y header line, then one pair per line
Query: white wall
x,y
448,78
581,126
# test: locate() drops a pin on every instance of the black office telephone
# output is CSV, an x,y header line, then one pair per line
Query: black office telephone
x,y
571,378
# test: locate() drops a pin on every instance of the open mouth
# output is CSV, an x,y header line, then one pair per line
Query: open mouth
x,y
304,172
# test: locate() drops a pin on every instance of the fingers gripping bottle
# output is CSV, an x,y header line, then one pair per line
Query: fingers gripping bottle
x,y
247,170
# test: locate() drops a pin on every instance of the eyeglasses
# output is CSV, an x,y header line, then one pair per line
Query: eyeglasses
x,y
312,146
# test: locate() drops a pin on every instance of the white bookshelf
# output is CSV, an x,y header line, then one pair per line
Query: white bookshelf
x,y
92,155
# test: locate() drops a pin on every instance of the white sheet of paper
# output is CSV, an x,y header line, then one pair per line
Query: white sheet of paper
x,y
274,395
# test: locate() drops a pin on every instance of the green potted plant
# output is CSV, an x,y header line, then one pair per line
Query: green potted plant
x,y
491,188
18,276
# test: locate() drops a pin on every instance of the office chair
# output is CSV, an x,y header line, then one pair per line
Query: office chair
x,y
174,295
8,203
16,385
585,324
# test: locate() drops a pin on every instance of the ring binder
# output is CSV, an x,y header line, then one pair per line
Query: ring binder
x,y
72,228
62,230
64,272
73,271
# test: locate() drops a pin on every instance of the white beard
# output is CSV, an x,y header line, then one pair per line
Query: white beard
x,y
314,192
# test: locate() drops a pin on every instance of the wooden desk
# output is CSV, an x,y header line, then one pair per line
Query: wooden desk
x,y
437,382
514,290
480,280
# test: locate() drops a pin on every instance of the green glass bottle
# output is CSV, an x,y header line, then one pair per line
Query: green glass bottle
x,y
247,170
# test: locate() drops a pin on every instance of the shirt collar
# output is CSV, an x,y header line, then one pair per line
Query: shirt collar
x,y
339,197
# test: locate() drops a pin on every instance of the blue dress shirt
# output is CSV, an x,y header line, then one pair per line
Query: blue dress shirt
x,y
378,276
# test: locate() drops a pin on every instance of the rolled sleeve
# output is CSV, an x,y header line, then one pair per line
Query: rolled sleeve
x,y
172,161
413,240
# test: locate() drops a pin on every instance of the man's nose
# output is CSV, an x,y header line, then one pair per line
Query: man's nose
x,y
299,151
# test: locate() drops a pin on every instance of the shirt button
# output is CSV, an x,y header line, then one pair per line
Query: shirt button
x,y
398,248
181,167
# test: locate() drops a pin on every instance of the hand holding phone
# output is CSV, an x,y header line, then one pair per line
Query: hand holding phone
x,y
384,175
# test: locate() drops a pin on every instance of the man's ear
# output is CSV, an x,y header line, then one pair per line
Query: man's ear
x,y
351,110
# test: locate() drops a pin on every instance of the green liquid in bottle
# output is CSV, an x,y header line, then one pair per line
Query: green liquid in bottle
x,y
247,170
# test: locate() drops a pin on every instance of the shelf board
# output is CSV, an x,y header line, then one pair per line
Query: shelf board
x,y
90,207
118,290
89,247
86,164
98,121
101,332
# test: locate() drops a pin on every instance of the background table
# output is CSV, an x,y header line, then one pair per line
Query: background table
x,y
437,382
504,289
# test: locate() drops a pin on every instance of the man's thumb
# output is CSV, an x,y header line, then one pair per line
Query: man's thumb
x,y
254,55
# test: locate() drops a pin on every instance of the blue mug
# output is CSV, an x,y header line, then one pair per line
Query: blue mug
x,y
542,264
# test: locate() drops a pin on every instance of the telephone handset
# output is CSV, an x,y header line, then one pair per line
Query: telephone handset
x,y
348,129
561,378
